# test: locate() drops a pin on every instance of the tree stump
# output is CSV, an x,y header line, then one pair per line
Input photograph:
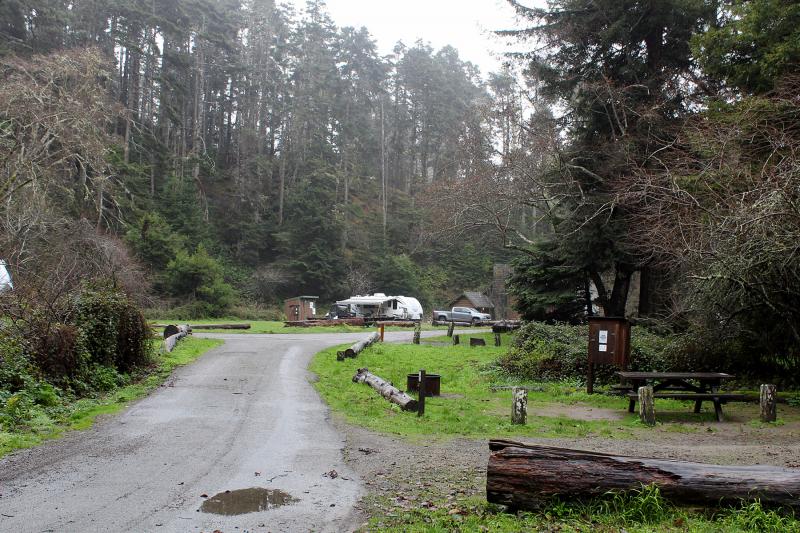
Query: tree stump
x,y
476,342
647,411
417,332
768,399
450,328
519,408
455,340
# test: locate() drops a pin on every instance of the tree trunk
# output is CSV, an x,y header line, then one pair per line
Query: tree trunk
x,y
768,401
386,389
526,477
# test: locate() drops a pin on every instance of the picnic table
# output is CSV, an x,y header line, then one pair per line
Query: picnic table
x,y
693,386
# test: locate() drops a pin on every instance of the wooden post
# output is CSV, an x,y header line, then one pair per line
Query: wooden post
x,y
590,379
450,327
497,339
417,332
647,411
421,400
768,398
455,340
381,329
519,409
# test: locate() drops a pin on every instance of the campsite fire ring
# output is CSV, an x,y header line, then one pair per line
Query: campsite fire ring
x,y
432,384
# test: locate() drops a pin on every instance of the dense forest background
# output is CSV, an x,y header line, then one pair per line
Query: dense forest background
x,y
216,156
242,151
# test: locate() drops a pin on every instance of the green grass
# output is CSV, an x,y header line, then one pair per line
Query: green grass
x,y
637,511
467,408
272,326
82,413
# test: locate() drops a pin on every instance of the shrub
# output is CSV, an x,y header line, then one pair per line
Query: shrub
x,y
556,352
198,277
112,329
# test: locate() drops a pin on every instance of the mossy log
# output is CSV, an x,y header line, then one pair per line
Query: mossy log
x,y
526,477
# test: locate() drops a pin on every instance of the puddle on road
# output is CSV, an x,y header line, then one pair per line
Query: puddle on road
x,y
243,501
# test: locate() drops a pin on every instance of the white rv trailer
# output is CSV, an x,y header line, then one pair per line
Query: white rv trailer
x,y
5,277
379,305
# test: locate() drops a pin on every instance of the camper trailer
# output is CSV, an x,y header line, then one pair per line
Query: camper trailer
x,y
379,306
5,278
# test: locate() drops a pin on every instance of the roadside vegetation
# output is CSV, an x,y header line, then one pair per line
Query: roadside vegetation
x,y
42,411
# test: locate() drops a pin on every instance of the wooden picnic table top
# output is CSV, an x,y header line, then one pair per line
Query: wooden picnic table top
x,y
675,375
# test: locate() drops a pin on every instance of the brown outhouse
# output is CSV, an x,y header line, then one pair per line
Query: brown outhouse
x,y
609,344
300,307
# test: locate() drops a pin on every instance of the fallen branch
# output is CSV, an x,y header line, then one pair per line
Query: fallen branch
x,y
526,477
358,347
386,389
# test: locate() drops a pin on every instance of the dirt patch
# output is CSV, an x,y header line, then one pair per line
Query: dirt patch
x,y
575,412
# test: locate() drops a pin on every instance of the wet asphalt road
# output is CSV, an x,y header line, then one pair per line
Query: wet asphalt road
x,y
246,407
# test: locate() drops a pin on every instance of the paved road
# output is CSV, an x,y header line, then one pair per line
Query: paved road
x,y
242,408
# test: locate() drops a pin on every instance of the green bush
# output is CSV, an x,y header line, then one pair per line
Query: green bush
x,y
112,329
556,352
198,277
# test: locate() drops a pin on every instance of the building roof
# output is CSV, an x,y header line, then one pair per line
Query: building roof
x,y
477,299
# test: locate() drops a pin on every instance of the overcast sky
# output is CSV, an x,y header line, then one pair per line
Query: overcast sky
x,y
464,24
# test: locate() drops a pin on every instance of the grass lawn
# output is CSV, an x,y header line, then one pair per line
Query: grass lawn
x,y
81,414
467,407
473,404
272,326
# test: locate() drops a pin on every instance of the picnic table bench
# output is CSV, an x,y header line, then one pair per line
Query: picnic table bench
x,y
693,386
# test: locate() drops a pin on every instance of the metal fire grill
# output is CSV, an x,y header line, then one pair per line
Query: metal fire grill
x,y
432,384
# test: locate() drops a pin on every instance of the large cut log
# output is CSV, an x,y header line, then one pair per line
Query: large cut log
x,y
358,347
208,326
357,321
172,340
526,477
386,389
398,323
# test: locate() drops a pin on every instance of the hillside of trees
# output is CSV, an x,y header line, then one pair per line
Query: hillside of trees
x,y
217,156
235,151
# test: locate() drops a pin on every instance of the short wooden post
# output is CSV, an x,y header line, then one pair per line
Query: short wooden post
x,y
381,330
421,389
590,379
455,339
519,409
417,332
497,339
768,398
450,328
647,411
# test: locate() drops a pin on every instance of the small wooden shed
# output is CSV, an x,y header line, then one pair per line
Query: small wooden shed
x,y
300,307
477,300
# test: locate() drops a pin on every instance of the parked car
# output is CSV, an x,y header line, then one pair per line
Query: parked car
x,y
461,314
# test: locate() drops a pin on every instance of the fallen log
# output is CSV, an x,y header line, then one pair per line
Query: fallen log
x,y
386,389
207,326
398,323
359,321
358,347
172,340
526,477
